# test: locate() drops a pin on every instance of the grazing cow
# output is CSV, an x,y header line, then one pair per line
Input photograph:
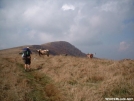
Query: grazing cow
x,y
43,52
90,56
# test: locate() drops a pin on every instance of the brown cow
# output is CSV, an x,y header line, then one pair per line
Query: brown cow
x,y
90,56
43,52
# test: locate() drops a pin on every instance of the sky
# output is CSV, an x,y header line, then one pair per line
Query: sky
x,y
102,27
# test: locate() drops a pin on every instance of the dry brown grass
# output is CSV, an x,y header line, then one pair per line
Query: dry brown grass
x,y
65,78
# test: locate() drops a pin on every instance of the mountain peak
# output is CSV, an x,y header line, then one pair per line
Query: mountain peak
x,y
60,47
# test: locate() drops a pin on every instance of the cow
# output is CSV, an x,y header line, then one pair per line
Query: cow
x,y
90,56
43,52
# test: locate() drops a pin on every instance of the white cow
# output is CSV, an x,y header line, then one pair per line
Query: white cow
x,y
43,52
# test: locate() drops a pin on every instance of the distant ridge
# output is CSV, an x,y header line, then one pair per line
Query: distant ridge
x,y
56,48
60,47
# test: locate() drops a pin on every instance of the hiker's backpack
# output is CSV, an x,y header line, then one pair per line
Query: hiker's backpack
x,y
26,53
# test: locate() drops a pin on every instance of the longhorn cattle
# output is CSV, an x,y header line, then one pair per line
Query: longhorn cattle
x,y
90,56
43,52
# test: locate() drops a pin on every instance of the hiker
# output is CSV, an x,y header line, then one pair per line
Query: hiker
x,y
27,58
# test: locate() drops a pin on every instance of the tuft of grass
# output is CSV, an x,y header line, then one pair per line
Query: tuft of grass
x,y
53,93
72,82
95,79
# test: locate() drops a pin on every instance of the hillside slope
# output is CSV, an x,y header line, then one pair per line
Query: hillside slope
x,y
60,47
56,48
65,78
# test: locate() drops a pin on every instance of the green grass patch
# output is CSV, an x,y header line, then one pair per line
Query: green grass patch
x,y
41,86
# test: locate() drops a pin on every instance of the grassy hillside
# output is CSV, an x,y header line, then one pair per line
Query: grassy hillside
x,y
56,48
65,78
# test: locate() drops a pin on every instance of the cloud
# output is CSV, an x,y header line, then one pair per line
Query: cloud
x,y
68,7
124,46
109,6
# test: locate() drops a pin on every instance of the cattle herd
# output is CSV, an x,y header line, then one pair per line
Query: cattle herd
x,y
46,52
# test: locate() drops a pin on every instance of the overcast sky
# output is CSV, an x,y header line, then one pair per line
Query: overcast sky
x,y
104,27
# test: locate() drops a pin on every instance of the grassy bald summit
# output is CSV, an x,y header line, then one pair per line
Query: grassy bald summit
x,y
60,47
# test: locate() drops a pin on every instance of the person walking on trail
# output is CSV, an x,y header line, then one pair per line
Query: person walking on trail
x,y
27,58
